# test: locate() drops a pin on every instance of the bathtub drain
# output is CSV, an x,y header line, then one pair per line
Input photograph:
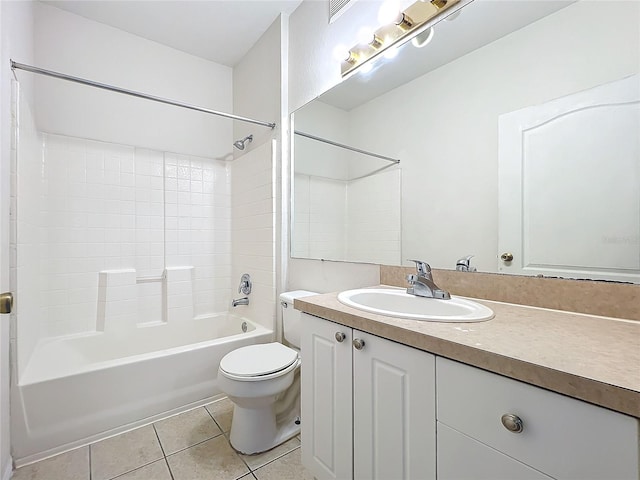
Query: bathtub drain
x,y
244,326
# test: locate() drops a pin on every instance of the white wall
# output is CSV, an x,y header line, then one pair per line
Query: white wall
x,y
560,54
71,44
449,138
313,70
253,231
16,27
256,172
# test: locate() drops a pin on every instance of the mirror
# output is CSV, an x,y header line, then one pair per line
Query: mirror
x,y
441,110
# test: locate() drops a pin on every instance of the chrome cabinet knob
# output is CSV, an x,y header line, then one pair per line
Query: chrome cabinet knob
x,y
358,343
340,337
512,422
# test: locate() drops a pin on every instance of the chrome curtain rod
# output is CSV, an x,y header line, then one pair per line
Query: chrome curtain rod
x,y
342,145
112,88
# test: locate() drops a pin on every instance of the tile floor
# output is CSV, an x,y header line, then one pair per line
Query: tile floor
x,y
190,446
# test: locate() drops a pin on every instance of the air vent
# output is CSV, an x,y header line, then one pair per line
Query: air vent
x,y
338,7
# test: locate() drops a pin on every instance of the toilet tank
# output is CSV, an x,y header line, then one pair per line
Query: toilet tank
x,y
291,326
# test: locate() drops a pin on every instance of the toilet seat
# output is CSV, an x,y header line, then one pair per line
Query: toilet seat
x,y
259,362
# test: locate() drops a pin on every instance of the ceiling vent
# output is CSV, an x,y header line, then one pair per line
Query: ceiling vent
x,y
338,7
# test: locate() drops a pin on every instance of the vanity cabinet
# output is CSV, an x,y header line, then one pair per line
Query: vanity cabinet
x,y
510,429
368,405
373,408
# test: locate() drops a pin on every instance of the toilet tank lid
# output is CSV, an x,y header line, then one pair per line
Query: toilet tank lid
x,y
290,296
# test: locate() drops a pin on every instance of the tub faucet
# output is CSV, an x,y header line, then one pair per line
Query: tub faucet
x,y
422,285
240,301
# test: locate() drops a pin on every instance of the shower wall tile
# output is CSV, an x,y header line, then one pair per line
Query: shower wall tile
x,y
373,218
253,220
25,244
89,206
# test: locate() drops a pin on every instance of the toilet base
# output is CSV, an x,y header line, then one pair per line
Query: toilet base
x,y
256,430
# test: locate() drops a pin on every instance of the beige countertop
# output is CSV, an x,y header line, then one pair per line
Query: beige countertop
x,y
596,359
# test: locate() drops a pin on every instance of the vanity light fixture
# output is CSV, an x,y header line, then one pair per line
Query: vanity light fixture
x,y
401,27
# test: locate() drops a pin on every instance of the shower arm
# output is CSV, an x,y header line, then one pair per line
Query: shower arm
x,y
133,93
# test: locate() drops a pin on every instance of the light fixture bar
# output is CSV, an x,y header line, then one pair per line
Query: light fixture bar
x,y
413,18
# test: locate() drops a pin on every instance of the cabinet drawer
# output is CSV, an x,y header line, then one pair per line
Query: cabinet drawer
x,y
478,462
561,436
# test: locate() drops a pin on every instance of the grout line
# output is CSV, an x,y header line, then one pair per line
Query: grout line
x,y
164,455
194,445
277,458
137,468
169,468
90,472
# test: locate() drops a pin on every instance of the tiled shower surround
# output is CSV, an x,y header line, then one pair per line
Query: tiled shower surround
x,y
120,234
355,219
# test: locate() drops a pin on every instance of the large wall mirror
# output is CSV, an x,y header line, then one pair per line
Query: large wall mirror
x,y
517,130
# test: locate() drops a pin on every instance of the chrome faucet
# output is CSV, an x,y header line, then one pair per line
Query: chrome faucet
x,y
240,301
244,287
422,285
464,264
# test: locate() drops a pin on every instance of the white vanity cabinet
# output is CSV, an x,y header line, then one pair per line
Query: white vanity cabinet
x,y
544,433
368,405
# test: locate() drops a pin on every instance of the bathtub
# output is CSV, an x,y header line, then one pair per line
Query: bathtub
x,y
79,389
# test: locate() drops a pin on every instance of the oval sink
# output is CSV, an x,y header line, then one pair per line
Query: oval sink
x,y
398,303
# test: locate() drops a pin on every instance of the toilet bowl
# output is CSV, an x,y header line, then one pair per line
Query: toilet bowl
x,y
263,382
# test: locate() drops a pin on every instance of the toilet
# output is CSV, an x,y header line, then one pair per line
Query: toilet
x,y
263,382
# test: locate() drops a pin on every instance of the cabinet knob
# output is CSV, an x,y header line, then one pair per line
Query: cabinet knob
x,y
358,343
512,422
340,337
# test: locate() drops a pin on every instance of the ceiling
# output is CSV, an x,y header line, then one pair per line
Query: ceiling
x,y
222,31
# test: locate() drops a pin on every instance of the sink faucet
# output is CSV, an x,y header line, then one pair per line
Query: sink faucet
x,y
422,285
464,264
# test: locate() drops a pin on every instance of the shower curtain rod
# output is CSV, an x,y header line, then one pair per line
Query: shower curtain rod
x,y
104,86
342,145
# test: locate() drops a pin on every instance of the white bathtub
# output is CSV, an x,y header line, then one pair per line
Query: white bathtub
x,y
79,389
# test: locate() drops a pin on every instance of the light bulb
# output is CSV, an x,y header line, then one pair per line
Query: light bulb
x,y
390,12
341,53
423,38
365,35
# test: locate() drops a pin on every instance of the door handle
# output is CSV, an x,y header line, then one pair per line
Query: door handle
x,y
6,302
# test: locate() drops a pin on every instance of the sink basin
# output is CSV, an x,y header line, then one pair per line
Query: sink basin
x,y
398,303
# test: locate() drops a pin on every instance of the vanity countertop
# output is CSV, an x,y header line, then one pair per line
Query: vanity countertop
x,y
596,359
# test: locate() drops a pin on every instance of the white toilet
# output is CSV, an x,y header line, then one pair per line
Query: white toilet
x,y
263,382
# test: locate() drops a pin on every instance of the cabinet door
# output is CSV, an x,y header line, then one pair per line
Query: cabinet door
x,y
463,458
326,399
560,436
393,411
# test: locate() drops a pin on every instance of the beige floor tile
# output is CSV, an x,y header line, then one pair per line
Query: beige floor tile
x,y
187,429
222,411
154,471
211,459
288,467
123,453
257,461
157,471
73,465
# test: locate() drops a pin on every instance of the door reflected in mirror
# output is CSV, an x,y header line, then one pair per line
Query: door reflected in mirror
x,y
438,109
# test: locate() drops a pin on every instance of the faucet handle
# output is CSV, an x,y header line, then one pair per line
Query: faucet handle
x,y
423,268
464,264
245,284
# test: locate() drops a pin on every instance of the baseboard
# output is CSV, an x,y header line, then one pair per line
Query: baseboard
x,y
8,470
